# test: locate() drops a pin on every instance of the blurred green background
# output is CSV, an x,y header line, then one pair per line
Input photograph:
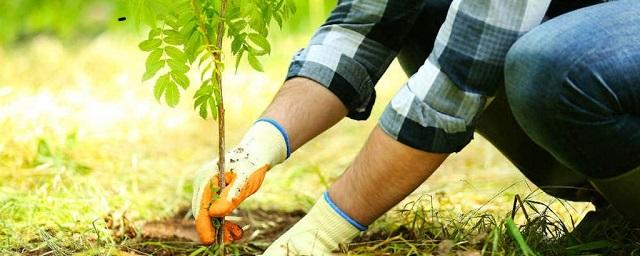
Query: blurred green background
x,y
74,20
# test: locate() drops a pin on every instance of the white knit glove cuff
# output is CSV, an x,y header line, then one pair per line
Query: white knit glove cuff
x,y
265,142
320,232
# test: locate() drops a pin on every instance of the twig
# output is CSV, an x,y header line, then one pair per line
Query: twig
x,y
216,55
217,71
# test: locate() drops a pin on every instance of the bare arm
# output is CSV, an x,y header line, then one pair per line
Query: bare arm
x,y
305,109
384,172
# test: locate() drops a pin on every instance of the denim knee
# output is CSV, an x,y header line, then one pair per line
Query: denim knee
x,y
573,89
535,67
530,68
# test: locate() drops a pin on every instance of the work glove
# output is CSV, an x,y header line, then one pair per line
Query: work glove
x,y
264,145
318,233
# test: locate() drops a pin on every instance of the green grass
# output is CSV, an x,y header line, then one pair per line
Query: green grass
x,y
81,137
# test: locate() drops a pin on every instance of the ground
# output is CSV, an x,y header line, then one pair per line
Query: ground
x,y
91,164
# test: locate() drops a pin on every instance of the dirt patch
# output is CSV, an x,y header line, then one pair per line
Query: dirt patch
x,y
177,236
171,229
266,225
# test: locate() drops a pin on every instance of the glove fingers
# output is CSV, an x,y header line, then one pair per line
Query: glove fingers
x,y
223,207
204,227
253,184
232,232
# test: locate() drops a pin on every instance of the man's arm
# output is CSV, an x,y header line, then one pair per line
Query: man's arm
x,y
305,109
347,56
433,115
332,77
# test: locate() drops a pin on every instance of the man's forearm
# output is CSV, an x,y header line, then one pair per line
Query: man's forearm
x,y
305,109
384,172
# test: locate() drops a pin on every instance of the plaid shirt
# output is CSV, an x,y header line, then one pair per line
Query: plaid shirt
x,y
437,107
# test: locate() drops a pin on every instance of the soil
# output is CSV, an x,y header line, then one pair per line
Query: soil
x,y
177,236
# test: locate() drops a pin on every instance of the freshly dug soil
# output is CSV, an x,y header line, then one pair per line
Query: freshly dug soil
x,y
177,236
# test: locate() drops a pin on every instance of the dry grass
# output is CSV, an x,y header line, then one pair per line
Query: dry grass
x,y
113,148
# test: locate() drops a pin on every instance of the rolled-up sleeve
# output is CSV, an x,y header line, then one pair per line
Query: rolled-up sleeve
x,y
350,52
437,108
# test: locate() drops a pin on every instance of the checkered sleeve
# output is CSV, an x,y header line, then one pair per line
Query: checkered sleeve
x,y
354,47
436,109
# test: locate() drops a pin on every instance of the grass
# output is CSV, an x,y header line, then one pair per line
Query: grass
x,y
82,138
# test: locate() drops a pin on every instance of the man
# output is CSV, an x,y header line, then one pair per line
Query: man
x,y
572,84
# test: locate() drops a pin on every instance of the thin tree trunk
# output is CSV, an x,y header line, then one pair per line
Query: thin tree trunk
x,y
217,75
221,136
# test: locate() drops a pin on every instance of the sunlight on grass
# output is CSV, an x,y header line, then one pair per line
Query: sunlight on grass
x,y
81,137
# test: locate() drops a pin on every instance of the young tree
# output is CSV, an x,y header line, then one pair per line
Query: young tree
x,y
186,34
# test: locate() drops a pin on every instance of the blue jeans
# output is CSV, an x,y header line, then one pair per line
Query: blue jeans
x,y
573,85
497,124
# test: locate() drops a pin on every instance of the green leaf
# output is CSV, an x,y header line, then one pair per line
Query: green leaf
x,y
161,86
260,41
206,89
205,70
202,98
191,48
239,24
203,108
154,56
279,6
153,33
186,18
180,79
278,19
173,40
178,66
237,43
238,59
188,29
152,69
254,62
216,92
234,11
150,45
172,95
173,37
256,52
213,105
183,8
172,22
204,57
153,64
141,11
176,54
199,101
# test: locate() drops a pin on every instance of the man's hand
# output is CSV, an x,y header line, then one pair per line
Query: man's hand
x,y
319,233
263,146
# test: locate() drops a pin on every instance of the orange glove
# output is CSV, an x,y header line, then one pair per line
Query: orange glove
x,y
204,226
263,146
